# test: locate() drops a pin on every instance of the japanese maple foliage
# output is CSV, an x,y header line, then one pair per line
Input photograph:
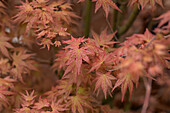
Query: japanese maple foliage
x,y
105,4
86,70
46,19
164,20
143,3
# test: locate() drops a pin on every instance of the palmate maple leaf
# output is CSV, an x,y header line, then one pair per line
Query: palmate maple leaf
x,y
129,74
5,66
76,54
4,44
57,107
138,39
27,102
61,10
164,18
25,10
28,99
45,35
143,3
79,102
105,4
103,81
22,63
63,88
103,40
60,61
126,82
100,60
4,90
19,58
39,13
74,42
31,13
46,42
41,103
141,51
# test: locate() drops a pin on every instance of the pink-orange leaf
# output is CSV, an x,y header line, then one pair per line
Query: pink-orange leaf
x,y
164,18
78,103
99,60
103,40
57,107
143,3
4,90
105,4
4,44
126,82
104,81
76,54
42,103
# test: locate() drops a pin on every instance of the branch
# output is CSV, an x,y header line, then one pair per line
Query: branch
x,y
87,18
123,7
42,61
115,13
130,21
111,28
148,86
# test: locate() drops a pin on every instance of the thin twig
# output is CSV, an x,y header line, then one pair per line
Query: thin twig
x,y
150,42
154,38
110,27
42,61
167,36
108,24
113,69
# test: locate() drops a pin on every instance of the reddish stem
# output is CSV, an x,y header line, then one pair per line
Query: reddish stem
x,y
148,86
